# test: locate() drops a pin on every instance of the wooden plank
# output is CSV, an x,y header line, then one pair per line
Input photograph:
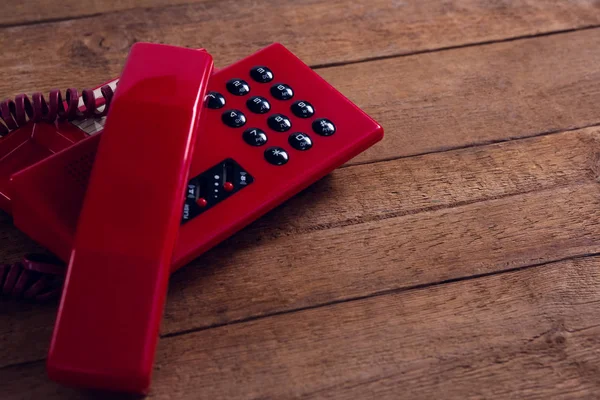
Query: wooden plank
x,y
257,275
529,334
285,261
462,97
91,50
433,102
31,11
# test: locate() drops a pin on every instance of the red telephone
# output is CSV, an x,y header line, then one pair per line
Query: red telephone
x,y
275,128
271,127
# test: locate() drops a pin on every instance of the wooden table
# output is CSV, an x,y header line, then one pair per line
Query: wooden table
x,y
459,258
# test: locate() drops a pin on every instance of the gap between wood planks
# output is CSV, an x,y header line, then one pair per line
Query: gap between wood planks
x,y
473,145
455,47
423,286
356,299
436,151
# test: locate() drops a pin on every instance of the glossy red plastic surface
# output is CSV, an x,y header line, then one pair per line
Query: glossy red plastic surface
x,y
29,145
107,326
61,179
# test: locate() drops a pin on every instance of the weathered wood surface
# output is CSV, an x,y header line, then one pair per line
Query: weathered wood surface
x,y
88,51
414,221
529,334
435,262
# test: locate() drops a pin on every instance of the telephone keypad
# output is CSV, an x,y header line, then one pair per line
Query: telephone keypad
x,y
323,127
238,87
258,105
255,137
303,109
279,123
234,118
281,91
215,100
261,74
300,141
276,156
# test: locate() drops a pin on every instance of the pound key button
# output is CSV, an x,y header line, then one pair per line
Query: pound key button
x,y
323,127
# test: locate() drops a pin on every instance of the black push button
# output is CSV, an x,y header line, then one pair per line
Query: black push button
x,y
300,141
234,118
281,91
279,123
323,127
276,156
238,87
215,100
255,137
261,74
258,105
303,109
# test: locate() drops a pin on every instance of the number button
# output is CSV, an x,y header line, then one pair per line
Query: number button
x,y
215,100
261,74
255,137
303,109
281,91
279,123
300,141
276,156
234,118
323,127
258,105
238,87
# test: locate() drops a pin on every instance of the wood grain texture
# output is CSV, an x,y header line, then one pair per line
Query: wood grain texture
x,y
13,13
530,334
250,276
375,282
89,51
378,227
461,97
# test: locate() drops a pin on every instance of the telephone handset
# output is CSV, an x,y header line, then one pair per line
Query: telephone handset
x,y
128,224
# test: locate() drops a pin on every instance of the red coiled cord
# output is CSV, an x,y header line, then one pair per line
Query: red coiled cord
x,y
37,277
18,111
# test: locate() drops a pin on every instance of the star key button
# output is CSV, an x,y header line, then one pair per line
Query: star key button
x,y
276,156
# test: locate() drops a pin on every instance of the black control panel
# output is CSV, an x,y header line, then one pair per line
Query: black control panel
x,y
213,186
